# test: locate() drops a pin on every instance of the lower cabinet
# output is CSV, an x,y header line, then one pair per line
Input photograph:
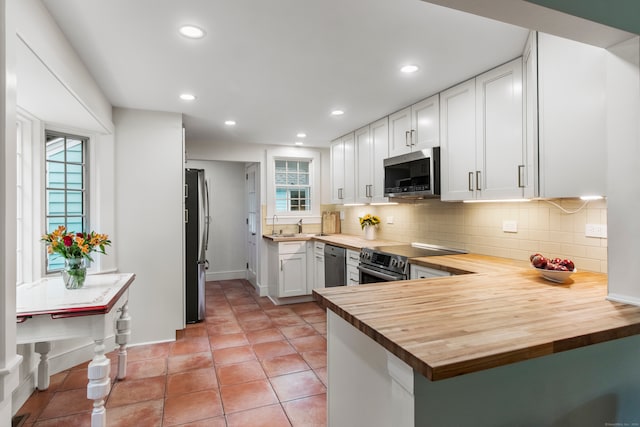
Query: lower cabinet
x,y
353,274
421,272
318,266
288,269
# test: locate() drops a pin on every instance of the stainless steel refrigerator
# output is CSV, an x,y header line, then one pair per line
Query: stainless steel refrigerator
x,y
196,242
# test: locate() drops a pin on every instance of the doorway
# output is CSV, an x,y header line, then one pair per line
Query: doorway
x,y
254,225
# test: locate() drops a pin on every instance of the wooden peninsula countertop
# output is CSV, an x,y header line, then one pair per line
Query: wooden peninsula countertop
x,y
501,313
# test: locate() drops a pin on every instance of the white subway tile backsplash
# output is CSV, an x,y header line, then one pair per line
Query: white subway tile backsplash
x,y
477,228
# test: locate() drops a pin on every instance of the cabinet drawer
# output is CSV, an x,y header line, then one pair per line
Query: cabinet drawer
x,y
420,272
318,248
292,247
353,258
353,276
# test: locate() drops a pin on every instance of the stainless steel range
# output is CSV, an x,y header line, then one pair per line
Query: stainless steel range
x,y
389,263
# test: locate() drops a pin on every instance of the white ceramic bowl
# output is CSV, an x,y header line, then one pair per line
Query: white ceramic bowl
x,y
555,275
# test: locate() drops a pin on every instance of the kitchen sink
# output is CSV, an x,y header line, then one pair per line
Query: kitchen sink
x,y
294,235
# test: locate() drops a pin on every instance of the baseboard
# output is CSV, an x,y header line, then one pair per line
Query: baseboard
x,y
75,356
226,275
23,392
291,300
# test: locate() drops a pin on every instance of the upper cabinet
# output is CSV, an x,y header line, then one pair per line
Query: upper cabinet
x,y
343,170
572,117
372,147
415,127
482,143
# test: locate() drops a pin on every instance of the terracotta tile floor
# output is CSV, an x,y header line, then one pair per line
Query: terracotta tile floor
x,y
251,364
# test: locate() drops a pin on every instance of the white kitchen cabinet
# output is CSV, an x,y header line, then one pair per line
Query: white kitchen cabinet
x,y
458,141
415,127
343,170
372,147
353,274
318,265
288,269
422,272
572,118
482,142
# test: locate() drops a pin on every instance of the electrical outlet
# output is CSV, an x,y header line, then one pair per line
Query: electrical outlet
x,y
596,230
342,215
389,220
510,226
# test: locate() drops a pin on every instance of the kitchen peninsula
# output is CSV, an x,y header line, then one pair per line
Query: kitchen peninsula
x,y
499,346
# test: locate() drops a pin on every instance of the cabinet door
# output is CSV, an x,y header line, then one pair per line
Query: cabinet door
x,y
318,266
353,275
400,132
425,129
458,141
572,93
349,192
379,135
420,272
499,135
337,171
364,171
530,105
293,275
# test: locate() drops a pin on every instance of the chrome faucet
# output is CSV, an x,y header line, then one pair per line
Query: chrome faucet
x,y
300,226
273,222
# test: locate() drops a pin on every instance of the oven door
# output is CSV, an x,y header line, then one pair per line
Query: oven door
x,y
369,274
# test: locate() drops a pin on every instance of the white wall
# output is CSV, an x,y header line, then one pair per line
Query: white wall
x,y
623,139
9,361
227,239
149,219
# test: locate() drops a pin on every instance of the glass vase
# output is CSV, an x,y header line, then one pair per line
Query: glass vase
x,y
74,273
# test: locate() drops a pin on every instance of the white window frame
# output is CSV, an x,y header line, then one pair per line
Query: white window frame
x,y
311,216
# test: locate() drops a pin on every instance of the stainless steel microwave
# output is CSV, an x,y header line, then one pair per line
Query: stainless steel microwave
x,y
414,175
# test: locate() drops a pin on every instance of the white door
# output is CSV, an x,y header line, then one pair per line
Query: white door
x,y
253,223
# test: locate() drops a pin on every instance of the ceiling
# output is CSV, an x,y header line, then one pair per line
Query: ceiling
x,y
279,67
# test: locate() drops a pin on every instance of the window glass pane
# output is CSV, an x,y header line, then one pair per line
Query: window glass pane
x,y
74,203
55,148
303,179
281,166
75,224
74,176
304,166
281,178
292,166
53,223
55,202
74,150
292,178
55,175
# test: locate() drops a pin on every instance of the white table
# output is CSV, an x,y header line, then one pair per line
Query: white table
x,y
47,311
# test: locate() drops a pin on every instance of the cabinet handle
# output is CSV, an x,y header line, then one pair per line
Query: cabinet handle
x,y
280,265
368,190
340,196
520,176
412,132
406,139
470,181
478,176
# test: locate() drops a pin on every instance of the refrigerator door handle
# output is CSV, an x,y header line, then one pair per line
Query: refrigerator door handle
x,y
206,264
207,218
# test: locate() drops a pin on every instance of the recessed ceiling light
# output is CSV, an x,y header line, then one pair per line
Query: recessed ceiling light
x,y
192,32
337,112
187,97
301,135
409,69
230,122
298,143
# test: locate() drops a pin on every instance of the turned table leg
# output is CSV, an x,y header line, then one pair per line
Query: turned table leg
x,y
99,384
123,332
43,348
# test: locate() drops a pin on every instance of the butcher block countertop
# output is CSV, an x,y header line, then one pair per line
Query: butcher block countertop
x,y
502,312
347,241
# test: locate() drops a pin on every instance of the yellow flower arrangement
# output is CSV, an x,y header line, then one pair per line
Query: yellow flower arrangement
x,y
369,220
75,245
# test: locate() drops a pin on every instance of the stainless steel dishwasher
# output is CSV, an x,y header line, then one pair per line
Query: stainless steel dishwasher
x,y
334,266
